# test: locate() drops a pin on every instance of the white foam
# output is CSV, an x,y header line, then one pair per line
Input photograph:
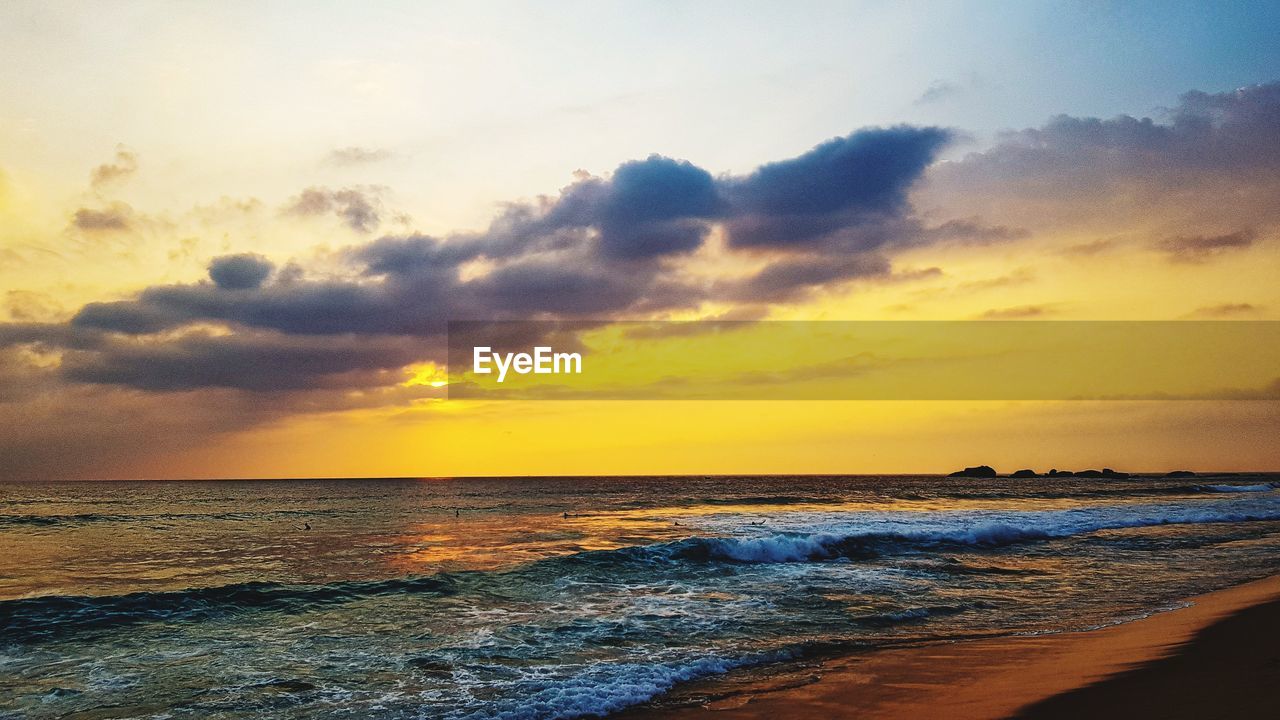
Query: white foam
x,y
809,535
600,689
1264,487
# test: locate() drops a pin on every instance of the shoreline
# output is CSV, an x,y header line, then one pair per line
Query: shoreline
x,y
1214,656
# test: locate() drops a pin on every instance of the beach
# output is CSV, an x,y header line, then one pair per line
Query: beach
x,y
1214,657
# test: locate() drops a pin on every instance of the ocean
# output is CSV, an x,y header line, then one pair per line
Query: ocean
x,y
569,597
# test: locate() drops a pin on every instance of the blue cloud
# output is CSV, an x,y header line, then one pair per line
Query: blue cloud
x,y
240,272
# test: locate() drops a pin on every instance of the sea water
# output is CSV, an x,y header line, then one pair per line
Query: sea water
x,y
561,598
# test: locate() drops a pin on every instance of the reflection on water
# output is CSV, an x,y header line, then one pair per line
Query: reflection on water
x,y
546,598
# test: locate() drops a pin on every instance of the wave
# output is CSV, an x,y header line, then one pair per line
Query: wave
x,y
1262,487
74,519
40,618
870,534
812,536
606,688
914,614
769,500
1098,492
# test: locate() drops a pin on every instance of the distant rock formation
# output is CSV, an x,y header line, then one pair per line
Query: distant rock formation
x,y
1104,473
981,471
986,471
1180,474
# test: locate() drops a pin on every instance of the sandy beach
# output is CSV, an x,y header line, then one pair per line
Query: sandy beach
x,y
1215,657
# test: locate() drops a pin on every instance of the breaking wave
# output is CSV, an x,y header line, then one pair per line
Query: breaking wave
x,y
36,618
1262,487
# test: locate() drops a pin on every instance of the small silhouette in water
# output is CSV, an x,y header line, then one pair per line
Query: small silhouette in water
x,y
306,526
457,512
757,524
676,523
566,514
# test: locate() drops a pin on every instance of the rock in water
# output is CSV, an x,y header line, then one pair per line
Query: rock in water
x,y
981,471
1104,473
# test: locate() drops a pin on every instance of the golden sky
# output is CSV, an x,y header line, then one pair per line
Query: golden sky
x,y
229,247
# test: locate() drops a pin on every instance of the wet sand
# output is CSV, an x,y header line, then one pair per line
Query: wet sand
x,y
1219,657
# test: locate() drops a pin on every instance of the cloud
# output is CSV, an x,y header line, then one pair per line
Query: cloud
x,y
843,184
972,231
1021,276
1211,161
353,155
323,307
1093,247
123,166
1227,310
1021,312
1202,248
601,248
257,362
359,208
118,217
938,90
613,247
30,306
48,335
254,342
240,272
655,207
793,278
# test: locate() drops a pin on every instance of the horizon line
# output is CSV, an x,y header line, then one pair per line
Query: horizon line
x,y
1159,474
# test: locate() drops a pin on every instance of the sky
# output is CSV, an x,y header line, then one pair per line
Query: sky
x,y
231,233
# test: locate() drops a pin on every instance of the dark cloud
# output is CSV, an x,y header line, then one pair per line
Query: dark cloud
x,y
46,335
660,189
599,249
791,278
359,208
240,272
124,165
126,316
657,206
354,155
257,362
1202,248
323,307
602,248
647,209
843,183
115,218
848,194
400,255
611,247
535,287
